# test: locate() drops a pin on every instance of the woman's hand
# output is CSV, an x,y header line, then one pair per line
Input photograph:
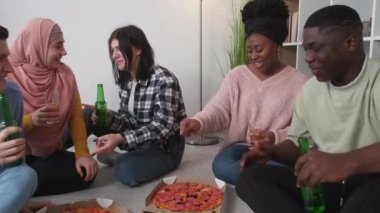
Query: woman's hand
x,y
189,127
260,139
89,165
46,115
94,117
108,143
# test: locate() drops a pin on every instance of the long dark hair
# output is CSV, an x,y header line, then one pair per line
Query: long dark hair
x,y
3,33
129,36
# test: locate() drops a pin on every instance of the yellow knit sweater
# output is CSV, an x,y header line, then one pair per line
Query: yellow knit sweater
x,y
76,125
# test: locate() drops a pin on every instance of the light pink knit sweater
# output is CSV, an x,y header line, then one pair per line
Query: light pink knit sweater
x,y
244,99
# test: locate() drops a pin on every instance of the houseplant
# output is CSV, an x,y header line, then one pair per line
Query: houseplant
x,y
237,52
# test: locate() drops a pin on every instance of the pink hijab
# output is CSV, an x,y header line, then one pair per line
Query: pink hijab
x,y
36,80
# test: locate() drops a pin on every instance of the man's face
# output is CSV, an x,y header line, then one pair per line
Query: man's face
x,y
5,65
325,53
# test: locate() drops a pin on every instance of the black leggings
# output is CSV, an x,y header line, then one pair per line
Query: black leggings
x,y
57,174
272,189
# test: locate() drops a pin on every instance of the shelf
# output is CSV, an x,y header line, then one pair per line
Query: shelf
x,y
376,49
291,44
293,54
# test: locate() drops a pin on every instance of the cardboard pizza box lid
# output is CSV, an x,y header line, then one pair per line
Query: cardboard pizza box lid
x,y
96,202
151,208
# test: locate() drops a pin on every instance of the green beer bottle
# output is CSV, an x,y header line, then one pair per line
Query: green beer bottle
x,y
312,197
6,120
101,111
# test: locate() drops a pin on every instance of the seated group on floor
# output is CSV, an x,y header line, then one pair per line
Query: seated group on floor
x,y
263,106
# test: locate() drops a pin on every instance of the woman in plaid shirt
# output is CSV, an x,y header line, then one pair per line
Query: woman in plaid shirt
x,y
151,107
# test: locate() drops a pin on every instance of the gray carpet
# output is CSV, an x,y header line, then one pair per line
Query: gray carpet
x,y
196,163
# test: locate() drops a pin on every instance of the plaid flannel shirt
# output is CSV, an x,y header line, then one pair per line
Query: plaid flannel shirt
x,y
158,109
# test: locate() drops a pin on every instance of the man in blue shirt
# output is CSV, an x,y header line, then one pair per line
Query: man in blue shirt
x,y
17,183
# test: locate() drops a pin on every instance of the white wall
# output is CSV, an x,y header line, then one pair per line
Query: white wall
x,y
217,19
172,27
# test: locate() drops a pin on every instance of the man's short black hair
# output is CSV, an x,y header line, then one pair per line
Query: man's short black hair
x,y
335,15
3,33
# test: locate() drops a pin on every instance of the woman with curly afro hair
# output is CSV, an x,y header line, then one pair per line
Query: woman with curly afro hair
x,y
259,95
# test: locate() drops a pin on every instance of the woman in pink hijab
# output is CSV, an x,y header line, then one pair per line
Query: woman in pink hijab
x,y
51,104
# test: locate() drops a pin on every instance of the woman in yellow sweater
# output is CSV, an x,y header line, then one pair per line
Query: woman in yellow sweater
x,y
51,103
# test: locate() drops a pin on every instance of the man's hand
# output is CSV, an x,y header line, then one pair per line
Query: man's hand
x,y
189,127
318,167
12,150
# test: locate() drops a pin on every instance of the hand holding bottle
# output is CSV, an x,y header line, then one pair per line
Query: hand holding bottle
x,y
328,168
95,118
13,150
312,195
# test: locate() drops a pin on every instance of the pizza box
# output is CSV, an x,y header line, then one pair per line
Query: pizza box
x,y
96,202
151,208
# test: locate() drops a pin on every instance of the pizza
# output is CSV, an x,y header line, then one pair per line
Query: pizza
x,y
88,210
187,196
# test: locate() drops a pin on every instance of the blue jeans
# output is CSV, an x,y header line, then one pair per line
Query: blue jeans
x,y
143,165
17,185
226,164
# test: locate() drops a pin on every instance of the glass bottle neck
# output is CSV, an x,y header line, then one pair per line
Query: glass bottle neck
x,y
100,94
6,118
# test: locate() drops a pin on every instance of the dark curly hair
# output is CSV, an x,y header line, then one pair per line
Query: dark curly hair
x,y
267,17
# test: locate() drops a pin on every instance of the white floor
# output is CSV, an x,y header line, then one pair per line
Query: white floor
x,y
196,163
